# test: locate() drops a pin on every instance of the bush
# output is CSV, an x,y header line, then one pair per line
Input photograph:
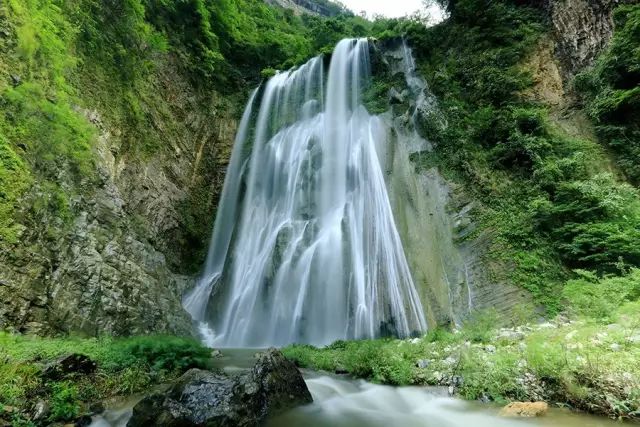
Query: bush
x,y
479,327
166,353
612,91
599,298
64,401
595,223
125,367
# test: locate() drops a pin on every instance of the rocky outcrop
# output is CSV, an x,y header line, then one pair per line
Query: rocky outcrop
x,y
203,398
133,236
322,8
582,29
449,260
69,364
525,409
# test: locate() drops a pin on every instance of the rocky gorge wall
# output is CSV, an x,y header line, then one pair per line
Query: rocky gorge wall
x,y
452,267
133,238
119,256
581,30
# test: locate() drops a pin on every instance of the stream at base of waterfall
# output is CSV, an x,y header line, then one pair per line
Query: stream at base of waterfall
x,y
343,402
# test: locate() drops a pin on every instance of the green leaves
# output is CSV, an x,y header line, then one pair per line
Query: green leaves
x,y
612,91
14,181
595,222
599,298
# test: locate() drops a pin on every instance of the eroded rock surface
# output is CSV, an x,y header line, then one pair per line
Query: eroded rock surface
x,y
204,398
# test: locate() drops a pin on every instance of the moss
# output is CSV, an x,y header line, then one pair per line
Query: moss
x,y
14,181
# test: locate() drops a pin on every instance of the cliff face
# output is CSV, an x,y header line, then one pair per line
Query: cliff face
x,y
582,29
116,268
121,245
113,252
323,8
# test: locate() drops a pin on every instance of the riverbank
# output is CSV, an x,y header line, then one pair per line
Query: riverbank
x,y
578,363
45,381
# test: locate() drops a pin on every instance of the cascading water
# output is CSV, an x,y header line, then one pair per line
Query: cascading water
x,y
305,248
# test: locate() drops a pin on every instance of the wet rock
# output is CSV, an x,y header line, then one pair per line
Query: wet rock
x,y
423,363
69,364
396,97
40,410
341,370
83,421
97,408
525,409
200,398
281,383
216,353
510,335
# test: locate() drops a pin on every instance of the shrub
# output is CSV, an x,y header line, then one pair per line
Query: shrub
x,y
599,298
166,353
479,327
612,91
595,222
65,404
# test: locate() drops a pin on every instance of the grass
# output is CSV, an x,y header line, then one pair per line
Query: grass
x,y
585,364
125,367
548,200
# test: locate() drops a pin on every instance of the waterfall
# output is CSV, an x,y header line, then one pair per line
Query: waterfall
x,y
304,247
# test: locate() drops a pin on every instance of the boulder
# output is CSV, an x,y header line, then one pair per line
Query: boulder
x,y
69,364
525,409
214,399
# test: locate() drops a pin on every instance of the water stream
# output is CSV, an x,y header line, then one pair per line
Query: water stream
x,y
343,402
340,402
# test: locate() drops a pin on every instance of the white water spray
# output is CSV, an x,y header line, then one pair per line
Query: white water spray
x,y
305,248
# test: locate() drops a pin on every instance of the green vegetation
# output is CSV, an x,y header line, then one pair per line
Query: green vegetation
x,y
125,367
600,298
612,91
549,200
62,60
587,364
14,180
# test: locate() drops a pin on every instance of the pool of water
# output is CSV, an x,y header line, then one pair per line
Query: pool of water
x,y
343,402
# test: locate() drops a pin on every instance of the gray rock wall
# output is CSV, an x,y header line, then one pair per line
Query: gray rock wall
x,y
582,29
451,264
117,265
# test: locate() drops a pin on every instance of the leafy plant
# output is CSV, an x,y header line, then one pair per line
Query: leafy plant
x,y
65,403
599,298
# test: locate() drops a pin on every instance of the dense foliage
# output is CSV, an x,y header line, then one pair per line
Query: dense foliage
x,y
612,91
549,199
125,367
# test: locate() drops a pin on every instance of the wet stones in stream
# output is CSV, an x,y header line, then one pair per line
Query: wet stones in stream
x,y
214,399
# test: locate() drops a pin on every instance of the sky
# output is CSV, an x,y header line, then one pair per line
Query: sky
x,y
389,8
